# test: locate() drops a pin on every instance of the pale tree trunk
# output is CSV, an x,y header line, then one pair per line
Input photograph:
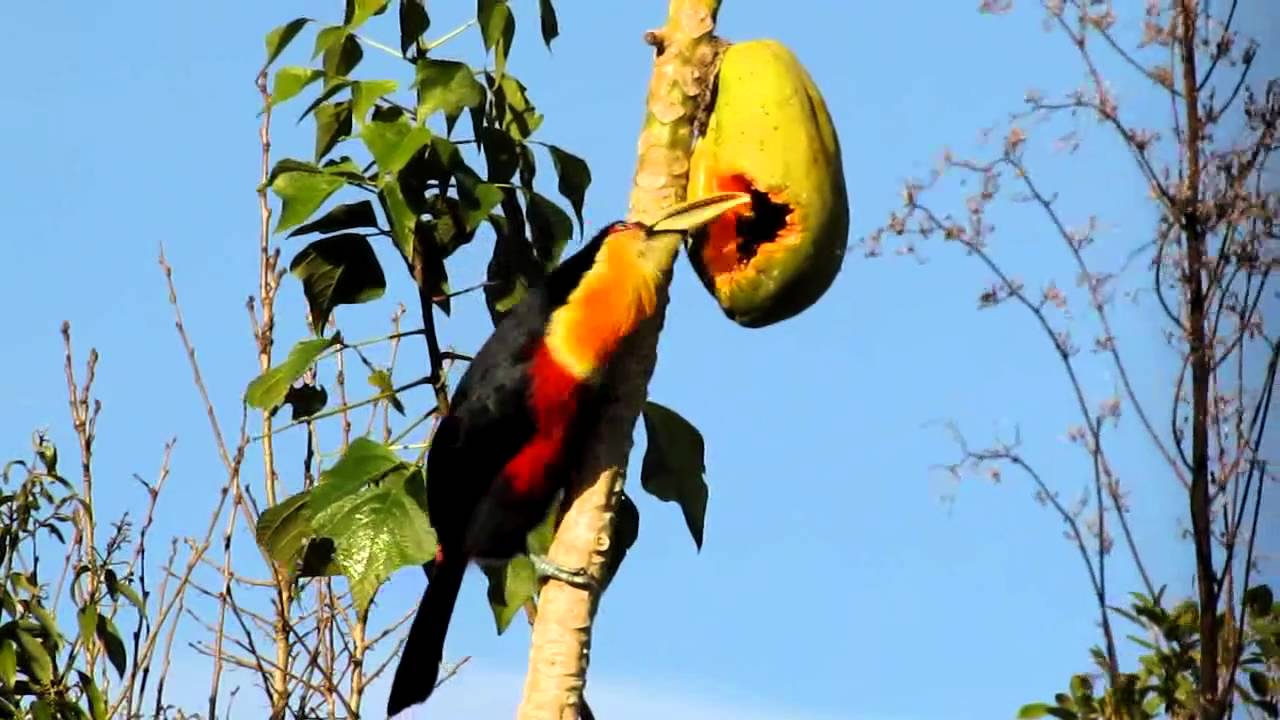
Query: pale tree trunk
x,y
561,642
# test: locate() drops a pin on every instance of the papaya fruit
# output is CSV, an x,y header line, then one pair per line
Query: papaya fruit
x,y
768,134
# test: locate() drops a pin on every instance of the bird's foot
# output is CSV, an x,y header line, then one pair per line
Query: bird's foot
x,y
543,567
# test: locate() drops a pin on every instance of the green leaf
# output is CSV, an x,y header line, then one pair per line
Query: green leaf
x,y
279,38
111,641
302,193
326,38
1033,710
42,709
364,93
1081,686
512,269
381,381
445,85
550,25
283,529
393,144
341,58
512,105
97,704
478,200
8,662
403,218
35,659
414,22
376,519
305,400
87,619
673,467
574,177
333,124
47,623
511,585
267,391
1260,683
361,10
337,270
290,80
498,28
549,228
626,529
500,153
341,217
133,597
330,91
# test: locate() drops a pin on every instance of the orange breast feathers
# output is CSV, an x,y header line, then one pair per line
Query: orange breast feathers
x,y
552,402
615,295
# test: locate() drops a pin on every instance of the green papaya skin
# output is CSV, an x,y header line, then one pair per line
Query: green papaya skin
x,y
770,134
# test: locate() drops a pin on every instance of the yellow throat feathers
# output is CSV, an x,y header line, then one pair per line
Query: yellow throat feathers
x,y
612,298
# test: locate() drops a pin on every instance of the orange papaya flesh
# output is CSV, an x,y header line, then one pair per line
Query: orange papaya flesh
x,y
769,134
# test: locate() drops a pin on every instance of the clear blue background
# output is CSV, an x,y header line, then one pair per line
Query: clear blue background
x,y
843,575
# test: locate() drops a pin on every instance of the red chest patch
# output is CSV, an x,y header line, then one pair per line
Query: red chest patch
x,y
553,402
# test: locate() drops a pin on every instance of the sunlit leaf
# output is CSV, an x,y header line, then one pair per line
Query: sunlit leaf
x,y
333,124
97,704
674,468
342,217
497,28
364,93
403,218
283,529
381,381
514,583
302,193
516,112
393,144
377,520
87,620
478,200
362,10
8,662
290,80
341,58
326,38
268,390
445,85
279,38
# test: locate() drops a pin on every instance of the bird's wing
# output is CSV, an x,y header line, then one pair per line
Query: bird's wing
x,y
488,420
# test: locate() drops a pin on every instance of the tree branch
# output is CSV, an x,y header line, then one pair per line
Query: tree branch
x,y
560,646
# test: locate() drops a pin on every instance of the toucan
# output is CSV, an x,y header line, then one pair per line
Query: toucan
x,y
519,420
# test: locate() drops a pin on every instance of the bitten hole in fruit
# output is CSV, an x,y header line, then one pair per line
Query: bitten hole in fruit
x,y
729,244
765,222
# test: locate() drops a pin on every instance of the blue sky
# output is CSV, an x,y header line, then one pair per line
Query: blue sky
x,y
842,576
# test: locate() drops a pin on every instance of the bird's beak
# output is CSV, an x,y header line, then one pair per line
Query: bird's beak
x,y
689,216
